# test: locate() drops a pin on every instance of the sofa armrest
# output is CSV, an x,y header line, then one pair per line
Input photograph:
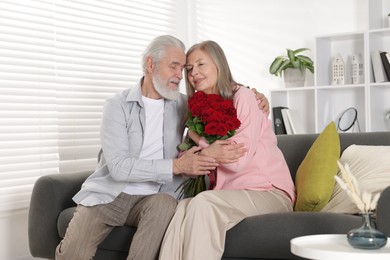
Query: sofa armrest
x,y
51,194
383,212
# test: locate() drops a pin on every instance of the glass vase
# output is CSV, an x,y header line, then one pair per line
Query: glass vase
x,y
366,237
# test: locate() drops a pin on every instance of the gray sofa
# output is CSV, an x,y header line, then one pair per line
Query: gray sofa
x,y
259,237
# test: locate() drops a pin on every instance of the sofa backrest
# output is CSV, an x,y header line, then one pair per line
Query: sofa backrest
x,y
295,147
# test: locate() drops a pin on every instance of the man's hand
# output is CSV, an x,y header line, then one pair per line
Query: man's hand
x,y
224,151
192,164
262,101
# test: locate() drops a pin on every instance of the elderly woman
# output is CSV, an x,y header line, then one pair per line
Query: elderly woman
x,y
258,183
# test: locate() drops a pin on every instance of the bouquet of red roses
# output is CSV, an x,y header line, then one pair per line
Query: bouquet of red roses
x,y
214,118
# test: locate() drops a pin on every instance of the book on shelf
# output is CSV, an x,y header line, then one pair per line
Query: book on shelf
x,y
385,57
279,126
288,124
377,67
287,121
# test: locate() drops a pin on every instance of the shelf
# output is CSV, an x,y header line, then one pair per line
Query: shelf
x,y
301,102
379,106
324,102
335,87
346,45
333,102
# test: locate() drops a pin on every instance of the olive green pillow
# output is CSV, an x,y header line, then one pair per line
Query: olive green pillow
x,y
314,180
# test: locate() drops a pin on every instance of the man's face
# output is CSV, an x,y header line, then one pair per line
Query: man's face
x,y
169,72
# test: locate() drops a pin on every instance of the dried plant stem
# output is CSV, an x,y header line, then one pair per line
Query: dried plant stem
x,y
347,181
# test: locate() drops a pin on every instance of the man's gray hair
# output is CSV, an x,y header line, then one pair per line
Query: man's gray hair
x,y
156,49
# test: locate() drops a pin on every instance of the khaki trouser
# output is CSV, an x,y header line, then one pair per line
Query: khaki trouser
x,y
91,225
198,228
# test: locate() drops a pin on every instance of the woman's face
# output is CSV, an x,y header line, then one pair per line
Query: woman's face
x,y
202,72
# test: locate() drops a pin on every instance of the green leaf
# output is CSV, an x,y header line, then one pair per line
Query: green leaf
x,y
291,55
285,64
196,120
212,138
296,64
231,133
275,65
311,69
199,128
190,122
184,146
299,50
305,59
224,137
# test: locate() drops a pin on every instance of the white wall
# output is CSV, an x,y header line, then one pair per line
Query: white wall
x,y
252,33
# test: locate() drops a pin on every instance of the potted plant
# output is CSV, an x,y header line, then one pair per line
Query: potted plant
x,y
293,67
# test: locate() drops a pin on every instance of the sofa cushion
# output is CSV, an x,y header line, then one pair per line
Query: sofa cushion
x,y
268,236
64,219
371,167
315,176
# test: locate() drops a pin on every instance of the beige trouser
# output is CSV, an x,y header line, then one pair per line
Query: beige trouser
x,y
198,228
90,226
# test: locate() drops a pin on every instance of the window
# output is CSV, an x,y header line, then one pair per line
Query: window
x,y
60,59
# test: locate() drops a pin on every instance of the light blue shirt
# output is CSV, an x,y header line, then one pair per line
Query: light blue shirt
x,y
122,133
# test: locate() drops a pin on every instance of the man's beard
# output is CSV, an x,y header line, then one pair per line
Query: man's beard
x,y
163,89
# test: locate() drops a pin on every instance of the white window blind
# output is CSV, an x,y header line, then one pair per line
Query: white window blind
x,y
60,59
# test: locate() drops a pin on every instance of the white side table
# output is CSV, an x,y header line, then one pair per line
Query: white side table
x,y
328,247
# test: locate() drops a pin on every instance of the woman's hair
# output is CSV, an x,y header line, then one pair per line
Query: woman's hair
x,y
157,49
225,81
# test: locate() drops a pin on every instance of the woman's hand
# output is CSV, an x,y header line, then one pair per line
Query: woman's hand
x,y
224,151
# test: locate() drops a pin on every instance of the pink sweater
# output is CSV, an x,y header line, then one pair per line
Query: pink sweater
x,y
263,167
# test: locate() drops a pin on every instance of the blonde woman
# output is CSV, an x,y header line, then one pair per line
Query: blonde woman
x,y
258,183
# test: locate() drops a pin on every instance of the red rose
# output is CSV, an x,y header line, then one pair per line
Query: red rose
x,y
233,123
219,129
217,115
208,114
227,106
197,103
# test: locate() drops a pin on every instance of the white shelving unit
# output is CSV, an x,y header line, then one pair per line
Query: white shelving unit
x,y
314,107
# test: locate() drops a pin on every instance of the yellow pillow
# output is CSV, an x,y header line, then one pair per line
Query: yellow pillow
x,y
314,180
